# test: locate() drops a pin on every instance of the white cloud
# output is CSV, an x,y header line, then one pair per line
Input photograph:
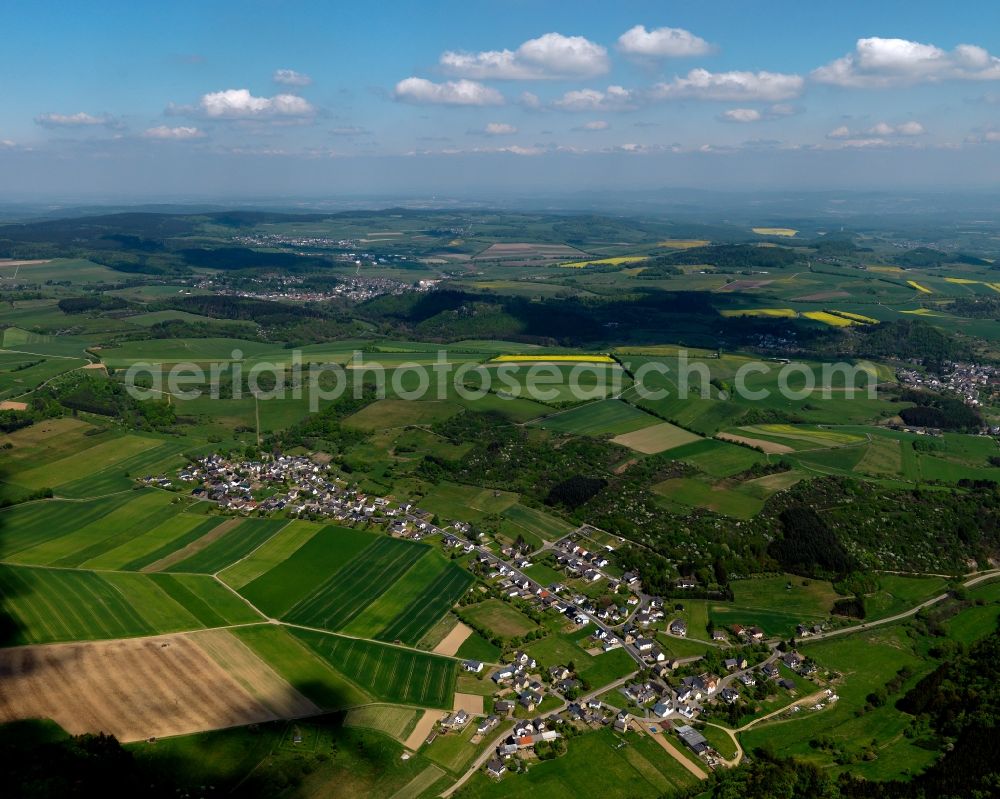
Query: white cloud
x,y
615,98
594,125
701,84
879,63
452,92
530,101
499,129
7,143
548,57
240,104
179,133
78,120
742,115
911,128
289,77
662,43
880,130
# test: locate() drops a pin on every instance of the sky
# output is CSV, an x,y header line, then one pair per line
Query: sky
x,y
261,98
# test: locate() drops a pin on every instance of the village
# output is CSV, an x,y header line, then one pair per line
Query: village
x,y
541,704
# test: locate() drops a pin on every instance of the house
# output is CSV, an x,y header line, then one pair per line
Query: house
x,y
458,719
756,633
529,700
770,671
496,768
567,685
645,644
630,578
788,685
487,724
685,583
735,664
473,666
622,722
695,741
679,627
503,707
661,710
559,673
747,679
524,659
503,674
718,634
793,660
729,696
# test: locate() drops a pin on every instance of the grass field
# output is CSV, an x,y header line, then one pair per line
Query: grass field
x,y
49,605
866,661
396,722
387,413
537,522
607,417
717,458
695,493
500,618
454,501
657,438
392,674
280,588
601,763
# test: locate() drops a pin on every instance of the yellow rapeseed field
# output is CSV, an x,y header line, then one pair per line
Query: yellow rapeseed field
x,y
786,313
621,259
829,319
775,231
683,244
918,287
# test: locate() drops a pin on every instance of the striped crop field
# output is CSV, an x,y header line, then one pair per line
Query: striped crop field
x,y
83,531
235,544
437,598
392,674
49,605
347,592
553,359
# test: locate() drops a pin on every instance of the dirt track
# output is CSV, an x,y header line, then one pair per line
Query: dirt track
x,y
195,546
144,687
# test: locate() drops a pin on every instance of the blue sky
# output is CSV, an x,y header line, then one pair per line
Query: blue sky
x,y
284,98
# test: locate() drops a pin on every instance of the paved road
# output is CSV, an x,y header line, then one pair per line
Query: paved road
x,y
987,575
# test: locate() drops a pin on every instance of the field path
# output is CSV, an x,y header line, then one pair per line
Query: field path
x,y
184,553
673,751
